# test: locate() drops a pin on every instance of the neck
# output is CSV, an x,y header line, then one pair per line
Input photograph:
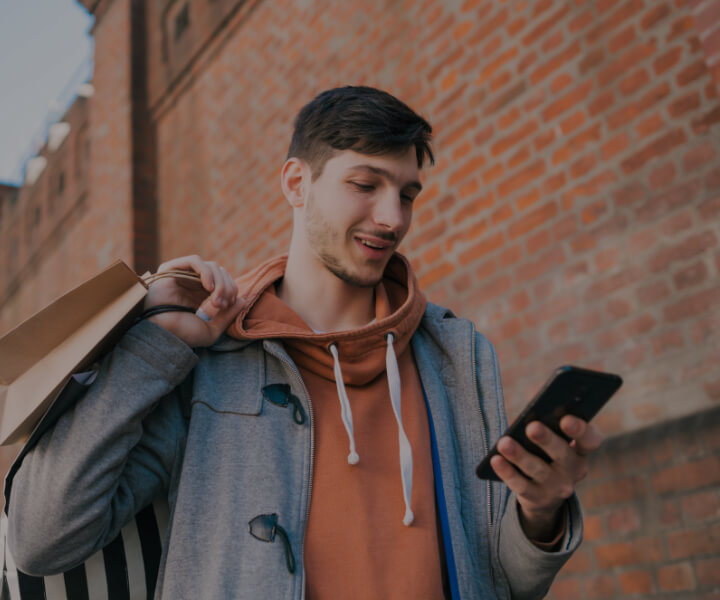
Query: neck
x,y
324,301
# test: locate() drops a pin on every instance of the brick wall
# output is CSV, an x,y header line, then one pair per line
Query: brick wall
x,y
652,516
573,214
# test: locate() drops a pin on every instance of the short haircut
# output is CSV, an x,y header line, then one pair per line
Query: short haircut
x,y
358,118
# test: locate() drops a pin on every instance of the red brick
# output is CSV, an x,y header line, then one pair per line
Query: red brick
x,y
532,220
483,247
489,26
560,82
492,67
639,551
629,194
691,72
469,168
521,178
622,490
685,104
555,62
436,274
526,200
580,21
603,101
572,122
698,156
680,26
634,82
567,101
690,276
710,208
702,506
663,176
554,183
516,26
701,125
669,340
522,133
626,61
624,13
650,125
600,586
502,213
654,15
670,513
636,581
676,578
593,528
689,476
545,263
612,283
624,520
552,42
494,172
615,145
708,572
543,27
621,39
692,305
657,147
583,165
566,589
691,246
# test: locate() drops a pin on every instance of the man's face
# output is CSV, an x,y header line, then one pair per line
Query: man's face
x,y
358,211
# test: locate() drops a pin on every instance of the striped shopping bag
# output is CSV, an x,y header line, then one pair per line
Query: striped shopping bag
x,y
126,569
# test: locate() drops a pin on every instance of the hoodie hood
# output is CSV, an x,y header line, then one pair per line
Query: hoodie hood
x,y
399,307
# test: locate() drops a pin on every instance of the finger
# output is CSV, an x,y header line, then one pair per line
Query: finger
x,y
219,296
533,466
230,286
515,480
192,263
222,318
554,446
587,438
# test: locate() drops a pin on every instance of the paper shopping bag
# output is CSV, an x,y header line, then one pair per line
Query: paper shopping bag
x,y
38,356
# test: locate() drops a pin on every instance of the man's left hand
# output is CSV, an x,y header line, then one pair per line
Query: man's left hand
x,y
547,486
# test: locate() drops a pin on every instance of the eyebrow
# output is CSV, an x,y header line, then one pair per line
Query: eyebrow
x,y
387,175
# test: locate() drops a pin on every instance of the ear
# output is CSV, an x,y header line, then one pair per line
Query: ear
x,y
294,179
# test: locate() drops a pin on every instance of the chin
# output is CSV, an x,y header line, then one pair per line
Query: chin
x,y
356,279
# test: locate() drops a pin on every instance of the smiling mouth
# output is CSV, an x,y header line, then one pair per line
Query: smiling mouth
x,y
373,246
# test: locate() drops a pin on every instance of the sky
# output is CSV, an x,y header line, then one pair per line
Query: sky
x,y
45,53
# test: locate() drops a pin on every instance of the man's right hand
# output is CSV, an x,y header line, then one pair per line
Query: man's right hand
x,y
215,294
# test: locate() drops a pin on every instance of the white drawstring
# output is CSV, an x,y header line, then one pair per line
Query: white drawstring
x,y
406,461
345,411
393,376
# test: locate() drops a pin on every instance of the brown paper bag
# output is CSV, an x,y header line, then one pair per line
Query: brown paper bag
x,y
38,356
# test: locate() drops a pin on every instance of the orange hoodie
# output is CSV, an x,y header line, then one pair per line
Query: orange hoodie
x,y
356,544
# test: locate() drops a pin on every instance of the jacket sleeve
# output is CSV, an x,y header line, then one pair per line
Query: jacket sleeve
x,y
529,571
104,459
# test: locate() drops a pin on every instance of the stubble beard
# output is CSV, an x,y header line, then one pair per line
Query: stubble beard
x,y
322,240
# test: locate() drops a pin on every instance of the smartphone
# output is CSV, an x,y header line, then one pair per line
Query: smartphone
x,y
570,391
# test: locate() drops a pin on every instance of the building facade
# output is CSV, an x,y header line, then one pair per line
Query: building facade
x,y
573,213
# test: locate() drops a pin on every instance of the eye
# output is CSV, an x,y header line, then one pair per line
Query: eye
x,y
363,187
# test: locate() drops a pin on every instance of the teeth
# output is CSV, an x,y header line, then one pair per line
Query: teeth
x,y
369,245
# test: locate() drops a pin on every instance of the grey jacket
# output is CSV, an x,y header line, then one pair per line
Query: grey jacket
x,y
164,419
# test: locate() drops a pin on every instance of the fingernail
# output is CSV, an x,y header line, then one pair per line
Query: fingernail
x,y
203,315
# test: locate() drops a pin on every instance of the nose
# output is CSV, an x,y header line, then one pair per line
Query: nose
x,y
390,212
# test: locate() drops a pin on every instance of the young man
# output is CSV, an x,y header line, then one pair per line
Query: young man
x,y
316,424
